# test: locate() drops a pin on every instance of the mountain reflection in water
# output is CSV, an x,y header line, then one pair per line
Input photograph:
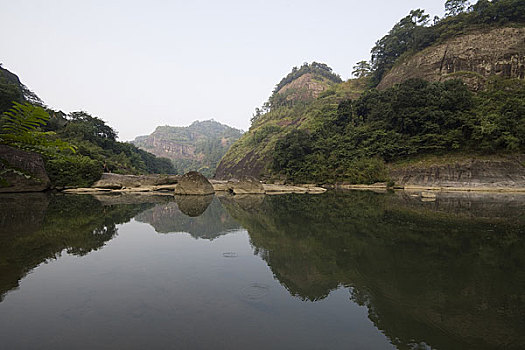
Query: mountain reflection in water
x,y
446,274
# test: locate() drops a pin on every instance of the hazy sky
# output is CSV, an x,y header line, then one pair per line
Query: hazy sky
x,y
140,64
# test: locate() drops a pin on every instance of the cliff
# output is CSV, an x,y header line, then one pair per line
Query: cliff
x,y
501,173
197,147
471,57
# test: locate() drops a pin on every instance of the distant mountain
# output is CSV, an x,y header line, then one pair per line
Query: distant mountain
x,y
199,146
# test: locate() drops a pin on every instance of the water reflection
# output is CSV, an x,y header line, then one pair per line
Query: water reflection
x,y
193,206
447,273
181,216
36,227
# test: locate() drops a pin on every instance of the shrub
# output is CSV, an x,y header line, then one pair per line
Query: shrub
x,y
78,171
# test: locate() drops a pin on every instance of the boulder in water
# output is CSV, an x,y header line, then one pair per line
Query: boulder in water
x,y
194,183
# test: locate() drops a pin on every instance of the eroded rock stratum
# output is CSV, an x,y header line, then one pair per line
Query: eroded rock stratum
x,y
471,57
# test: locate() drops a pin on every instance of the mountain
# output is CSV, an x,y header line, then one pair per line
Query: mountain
x,y
297,103
436,96
198,147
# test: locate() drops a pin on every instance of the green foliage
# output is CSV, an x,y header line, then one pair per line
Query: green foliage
x,y
413,33
10,90
315,67
97,140
22,118
19,128
415,117
455,7
76,171
500,116
361,69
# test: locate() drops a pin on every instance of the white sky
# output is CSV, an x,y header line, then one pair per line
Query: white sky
x,y
140,64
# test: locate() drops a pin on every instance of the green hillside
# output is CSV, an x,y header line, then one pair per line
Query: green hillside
x,y
350,131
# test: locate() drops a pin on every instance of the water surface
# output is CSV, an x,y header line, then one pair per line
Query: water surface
x,y
355,270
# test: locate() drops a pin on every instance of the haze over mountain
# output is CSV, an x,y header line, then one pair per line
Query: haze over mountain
x,y
197,147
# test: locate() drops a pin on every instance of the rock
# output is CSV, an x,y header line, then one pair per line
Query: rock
x,y
281,189
108,186
193,206
220,185
474,174
23,171
247,185
117,181
471,57
165,188
428,195
193,183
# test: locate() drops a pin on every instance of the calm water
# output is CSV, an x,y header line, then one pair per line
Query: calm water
x,y
356,270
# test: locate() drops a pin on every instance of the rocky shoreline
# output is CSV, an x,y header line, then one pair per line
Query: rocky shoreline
x,y
199,185
192,183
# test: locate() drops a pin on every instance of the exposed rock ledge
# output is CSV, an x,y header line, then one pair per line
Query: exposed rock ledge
x,y
174,184
472,57
504,174
22,171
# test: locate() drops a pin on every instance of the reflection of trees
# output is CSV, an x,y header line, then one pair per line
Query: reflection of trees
x,y
438,272
38,227
169,217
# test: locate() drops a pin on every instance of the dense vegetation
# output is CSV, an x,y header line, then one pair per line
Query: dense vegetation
x,y
351,130
12,90
414,32
98,141
77,147
413,118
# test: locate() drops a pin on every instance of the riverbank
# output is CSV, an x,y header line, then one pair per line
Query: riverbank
x,y
167,184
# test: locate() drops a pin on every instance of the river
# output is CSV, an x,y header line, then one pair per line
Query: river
x,y
342,270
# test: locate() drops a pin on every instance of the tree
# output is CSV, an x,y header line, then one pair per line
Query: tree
x,y
361,69
455,7
408,33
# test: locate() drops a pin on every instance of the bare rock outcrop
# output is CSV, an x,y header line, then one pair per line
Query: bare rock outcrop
x,y
117,181
193,183
22,171
247,185
497,174
471,57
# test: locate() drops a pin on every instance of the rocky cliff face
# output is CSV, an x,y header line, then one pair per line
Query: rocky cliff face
x,y
470,173
305,88
197,147
471,57
22,171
